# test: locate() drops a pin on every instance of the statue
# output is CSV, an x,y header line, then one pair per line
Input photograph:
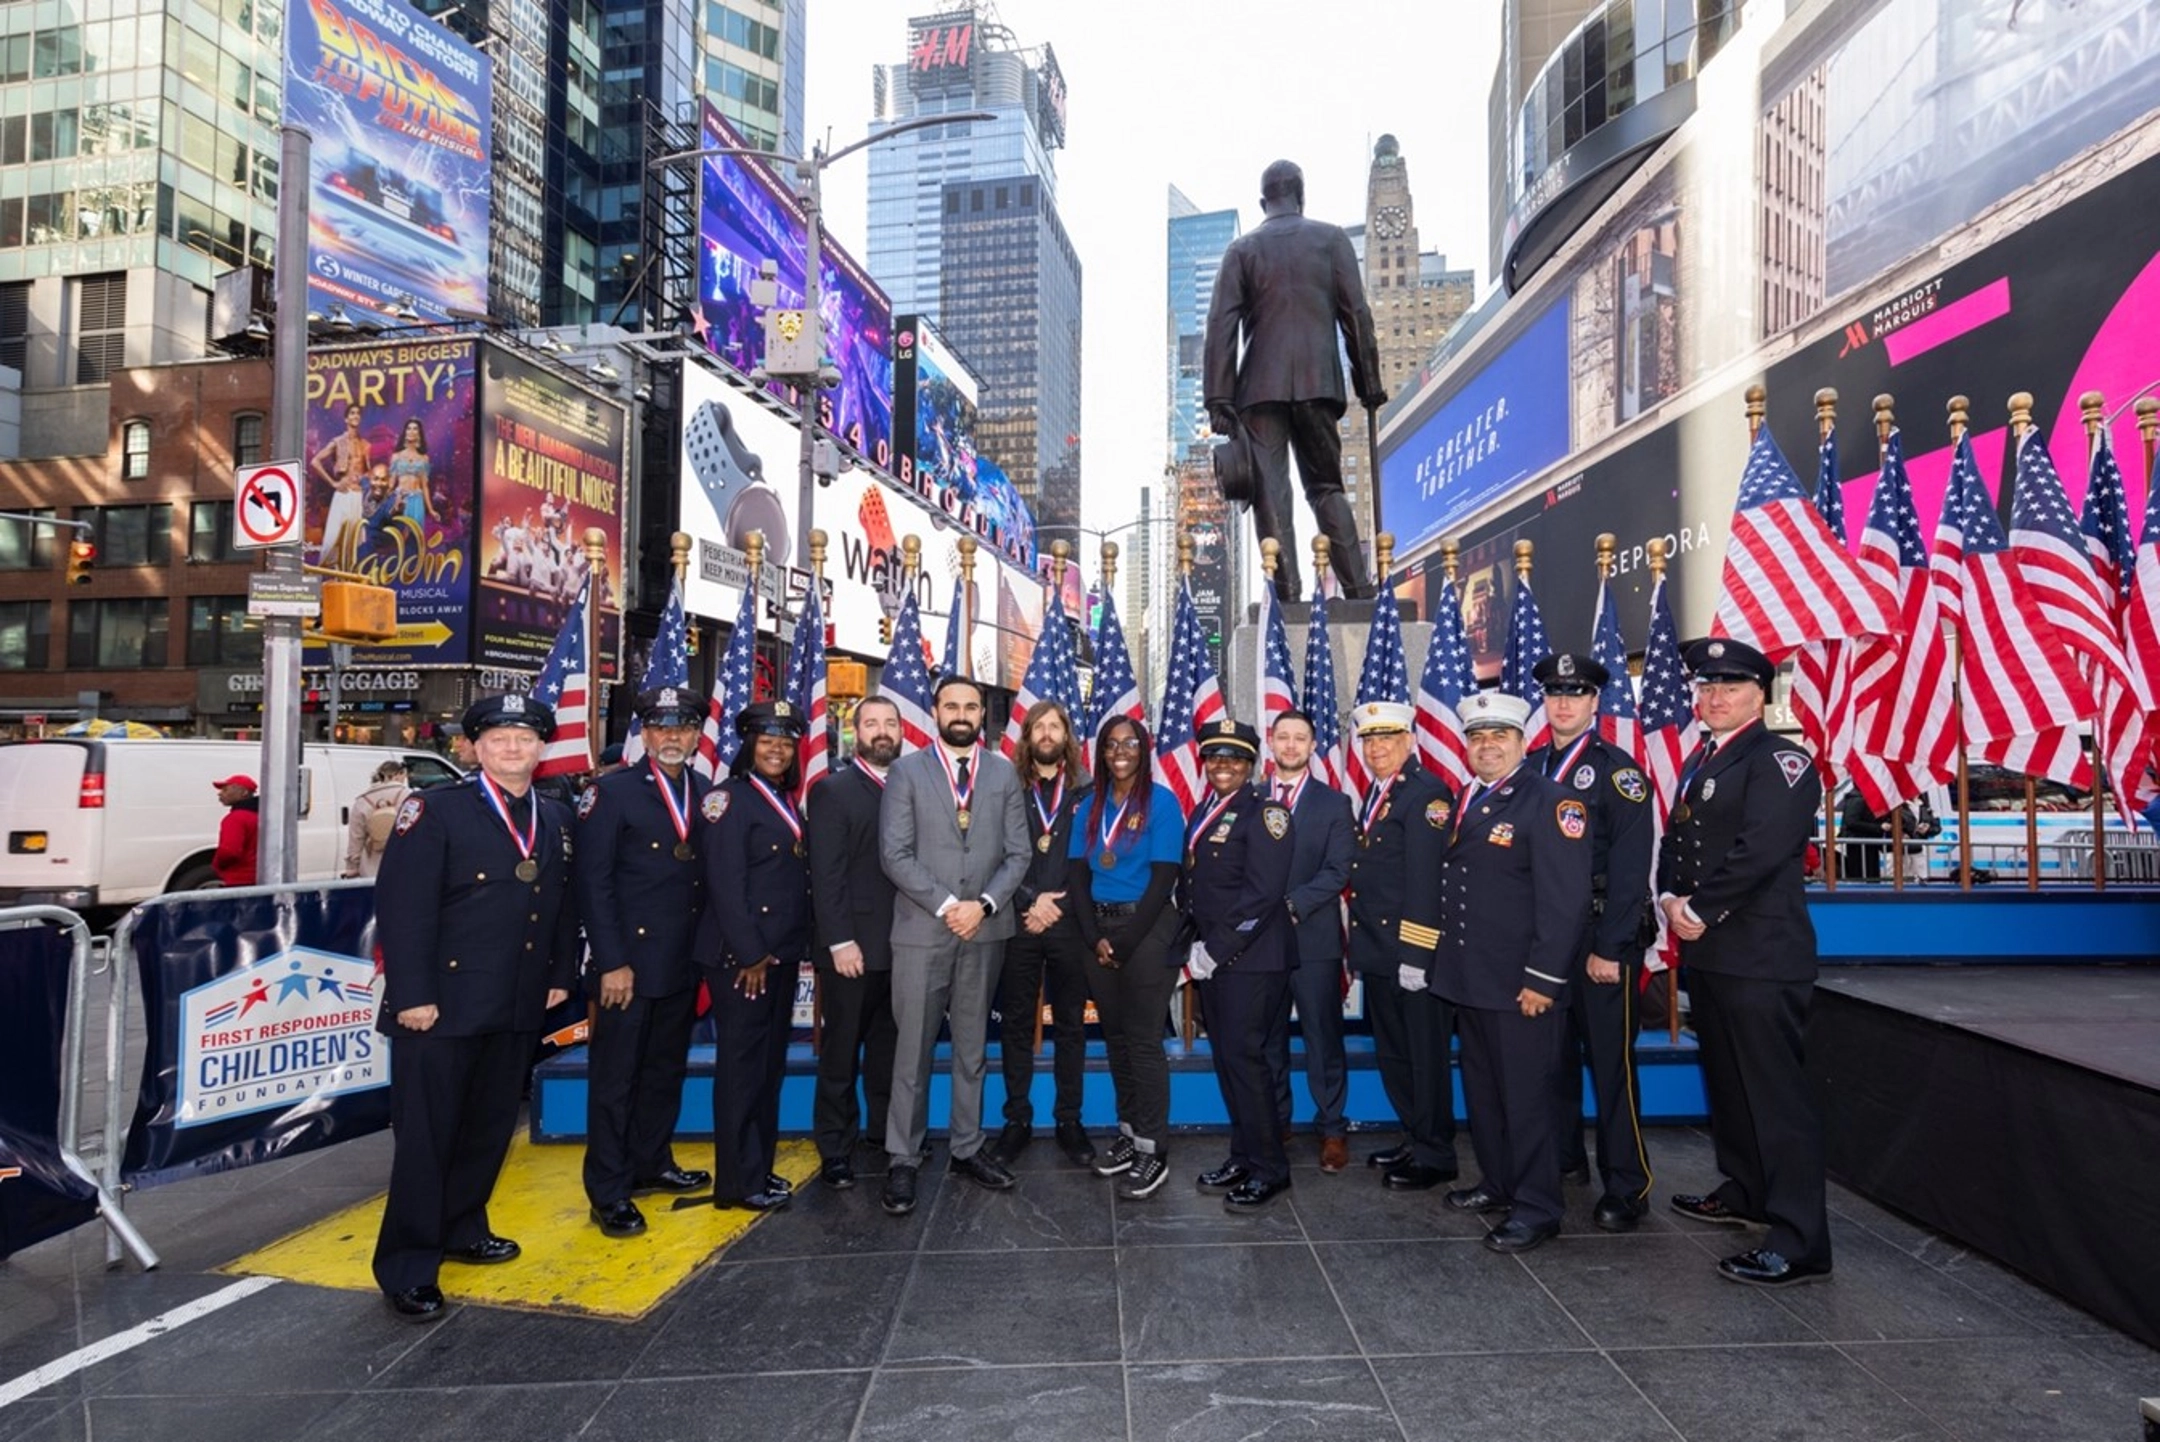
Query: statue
x,y
1287,288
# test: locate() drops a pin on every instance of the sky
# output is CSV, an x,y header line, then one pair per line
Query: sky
x,y
1201,94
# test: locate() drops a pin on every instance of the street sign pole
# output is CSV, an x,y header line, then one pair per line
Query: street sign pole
x,y
279,855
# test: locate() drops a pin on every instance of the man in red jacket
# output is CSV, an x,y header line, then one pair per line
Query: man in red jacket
x,y
234,859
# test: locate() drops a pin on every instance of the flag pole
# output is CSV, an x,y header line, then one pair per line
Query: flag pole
x,y
1885,423
595,568
1960,412
967,606
1757,403
1187,1027
818,540
679,563
1825,426
1656,548
754,558
1108,568
1270,560
2021,404
2092,405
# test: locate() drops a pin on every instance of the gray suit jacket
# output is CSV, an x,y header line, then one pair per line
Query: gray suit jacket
x,y
929,858
1288,287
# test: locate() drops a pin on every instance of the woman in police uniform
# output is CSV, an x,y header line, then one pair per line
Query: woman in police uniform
x,y
751,941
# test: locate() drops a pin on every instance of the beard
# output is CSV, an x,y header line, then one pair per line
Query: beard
x,y
1047,753
958,732
674,753
879,750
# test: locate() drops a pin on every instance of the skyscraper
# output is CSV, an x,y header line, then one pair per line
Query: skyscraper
x,y
1198,239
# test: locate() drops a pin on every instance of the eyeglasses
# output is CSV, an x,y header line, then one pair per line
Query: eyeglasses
x,y
1123,743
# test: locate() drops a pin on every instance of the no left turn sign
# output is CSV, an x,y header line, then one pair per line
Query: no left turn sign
x,y
266,504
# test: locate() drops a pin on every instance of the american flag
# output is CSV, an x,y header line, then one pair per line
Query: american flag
x,y
1668,733
669,666
1320,703
2141,619
1618,721
1787,580
1527,644
2023,696
1191,699
806,687
566,685
734,687
1278,687
2083,601
1904,730
905,681
1446,679
1384,675
2126,710
955,645
1116,692
1822,670
1053,674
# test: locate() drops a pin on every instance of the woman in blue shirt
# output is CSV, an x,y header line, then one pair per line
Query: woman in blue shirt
x,y
1128,840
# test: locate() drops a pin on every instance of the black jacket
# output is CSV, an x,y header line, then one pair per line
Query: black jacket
x,y
1049,870
1736,847
757,888
849,890
640,902
1236,872
1515,893
1395,876
1608,781
1290,289
1324,841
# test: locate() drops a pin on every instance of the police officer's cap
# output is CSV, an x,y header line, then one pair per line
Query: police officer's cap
x,y
771,718
1382,718
1721,658
1567,673
1494,710
670,706
1233,739
511,710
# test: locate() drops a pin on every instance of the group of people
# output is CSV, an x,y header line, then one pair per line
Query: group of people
x,y
929,887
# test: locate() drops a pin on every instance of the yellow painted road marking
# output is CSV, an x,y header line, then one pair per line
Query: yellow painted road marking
x,y
567,1266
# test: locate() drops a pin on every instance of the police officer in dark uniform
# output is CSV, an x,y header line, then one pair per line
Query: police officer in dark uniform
x,y
1403,821
479,939
752,941
1516,895
1600,1001
641,890
1237,869
1730,882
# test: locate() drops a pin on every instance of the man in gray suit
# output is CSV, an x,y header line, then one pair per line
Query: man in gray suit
x,y
952,834
1286,289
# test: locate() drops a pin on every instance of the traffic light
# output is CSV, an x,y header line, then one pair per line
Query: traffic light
x,y
884,630
81,556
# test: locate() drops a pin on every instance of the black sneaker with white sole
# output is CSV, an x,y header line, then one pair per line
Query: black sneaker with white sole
x,y
1149,1169
1118,1159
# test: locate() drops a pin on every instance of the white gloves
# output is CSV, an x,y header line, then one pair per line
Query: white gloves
x,y
1200,965
1410,978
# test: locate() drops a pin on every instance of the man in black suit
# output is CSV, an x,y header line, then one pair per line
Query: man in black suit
x,y
640,890
852,899
480,943
1285,291
1323,841
1730,882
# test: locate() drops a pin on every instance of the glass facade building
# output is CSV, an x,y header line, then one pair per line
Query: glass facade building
x,y
1197,240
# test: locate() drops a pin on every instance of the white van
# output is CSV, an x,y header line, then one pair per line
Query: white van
x,y
95,823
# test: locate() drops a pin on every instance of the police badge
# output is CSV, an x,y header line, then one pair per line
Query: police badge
x,y
1585,777
408,814
1276,819
716,803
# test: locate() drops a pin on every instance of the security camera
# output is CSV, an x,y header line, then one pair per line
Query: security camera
x,y
828,377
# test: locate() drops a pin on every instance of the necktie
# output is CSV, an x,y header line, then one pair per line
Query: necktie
x,y
1282,793
960,765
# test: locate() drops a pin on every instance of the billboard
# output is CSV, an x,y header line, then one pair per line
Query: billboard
x,y
551,467
1206,518
746,217
941,51
1496,430
398,173
935,399
389,467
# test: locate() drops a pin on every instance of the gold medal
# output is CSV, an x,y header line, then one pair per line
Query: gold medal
x,y
1108,859
683,851
964,817
1042,843
1681,812
528,870
800,851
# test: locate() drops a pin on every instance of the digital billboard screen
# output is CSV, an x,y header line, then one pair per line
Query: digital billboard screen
x,y
939,460
398,175
746,217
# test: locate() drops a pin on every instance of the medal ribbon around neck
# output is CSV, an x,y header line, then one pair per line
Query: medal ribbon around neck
x,y
1112,821
962,798
1296,790
1478,791
1049,817
1565,760
1376,805
531,839
1204,820
678,811
781,806
870,771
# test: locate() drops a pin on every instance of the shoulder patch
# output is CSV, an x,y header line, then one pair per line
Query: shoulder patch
x,y
1573,818
409,813
1276,818
1630,783
1795,764
1585,777
1437,813
587,800
715,804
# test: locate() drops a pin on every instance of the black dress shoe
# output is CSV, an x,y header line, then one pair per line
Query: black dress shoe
x,y
984,1171
619,1219
1072,1140
1512,1236
1577,1175
674,1179
1226,1178
1013,1141
486,1252
774,1182
1765,1268
1389,1158
1414,1177
1707,1208
767,1201
1479,1198
1619,1214
1252,1195
898,1198
417,1304
837,1173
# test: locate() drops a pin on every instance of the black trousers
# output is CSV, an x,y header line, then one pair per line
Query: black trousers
x,y
1509,1063
1601,1030
635,1062
1412,1031
1764,1124
1052,965
855,1044
1308,427
1240,1009
1132,1000
453,1105
749,1061
1316,989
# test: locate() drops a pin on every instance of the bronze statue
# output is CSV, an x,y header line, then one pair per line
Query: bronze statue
x,y
1288,288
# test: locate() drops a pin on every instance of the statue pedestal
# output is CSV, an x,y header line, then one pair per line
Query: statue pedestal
x,y
1243,663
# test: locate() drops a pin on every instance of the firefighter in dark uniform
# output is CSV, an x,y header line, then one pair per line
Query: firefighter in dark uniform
x,y
479,939
640,890
752,941
1515,890
1403,822
1600,1001
1730,880
1237,870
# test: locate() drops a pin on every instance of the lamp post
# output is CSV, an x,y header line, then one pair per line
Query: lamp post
x,y
817,374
